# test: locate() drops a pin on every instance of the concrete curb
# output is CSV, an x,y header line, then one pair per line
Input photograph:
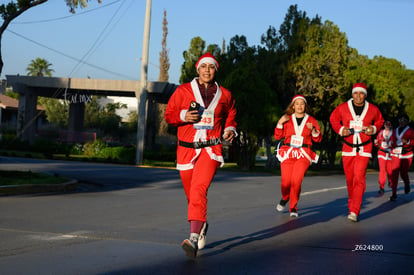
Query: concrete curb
x,y
70,185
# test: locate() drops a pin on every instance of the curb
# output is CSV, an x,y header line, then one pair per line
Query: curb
x,y
70,185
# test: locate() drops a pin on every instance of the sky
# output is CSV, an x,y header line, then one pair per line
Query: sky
x,y
104,41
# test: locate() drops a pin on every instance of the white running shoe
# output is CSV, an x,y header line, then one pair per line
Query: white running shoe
x,y
190,247
353,217
202,238
281,206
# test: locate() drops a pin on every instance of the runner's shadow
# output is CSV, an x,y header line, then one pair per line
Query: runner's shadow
x,y
388,205
309,216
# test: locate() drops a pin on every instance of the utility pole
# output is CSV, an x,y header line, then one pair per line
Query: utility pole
x,y
142,95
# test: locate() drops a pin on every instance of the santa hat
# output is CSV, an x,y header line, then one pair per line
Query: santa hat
x,y
359,87
207,58
298,97
387,124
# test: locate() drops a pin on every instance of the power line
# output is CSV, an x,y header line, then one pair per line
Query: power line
x,y
94,45
65,17
71,57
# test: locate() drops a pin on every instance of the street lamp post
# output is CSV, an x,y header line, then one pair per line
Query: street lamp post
x,y
142,95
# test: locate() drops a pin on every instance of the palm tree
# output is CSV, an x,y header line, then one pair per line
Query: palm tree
x,y
39,67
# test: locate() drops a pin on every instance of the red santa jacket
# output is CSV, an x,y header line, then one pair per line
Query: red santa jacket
x,y
400,149
344,116
384,143
223,107
290,129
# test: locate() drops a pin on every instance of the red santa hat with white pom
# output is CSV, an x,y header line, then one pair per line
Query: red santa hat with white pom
x,y
207,58
359,87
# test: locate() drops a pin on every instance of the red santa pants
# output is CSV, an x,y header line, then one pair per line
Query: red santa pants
x,y
355,169
385,170
292,174
400,167
196,182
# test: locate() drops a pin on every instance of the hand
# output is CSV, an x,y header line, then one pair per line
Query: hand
x,y
192,116
228,135
283,119
369,130
346,132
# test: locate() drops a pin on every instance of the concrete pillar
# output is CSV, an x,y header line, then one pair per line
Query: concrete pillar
x,y
26,116
76,117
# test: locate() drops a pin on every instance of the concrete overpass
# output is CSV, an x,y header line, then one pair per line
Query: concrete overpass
x,y
76,91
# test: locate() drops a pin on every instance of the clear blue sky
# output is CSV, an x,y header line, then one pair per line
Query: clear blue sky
x,y
109,36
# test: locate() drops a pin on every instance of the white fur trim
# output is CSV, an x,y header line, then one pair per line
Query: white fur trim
x,y
359,89
207,60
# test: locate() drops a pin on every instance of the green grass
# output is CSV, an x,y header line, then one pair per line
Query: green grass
x,y
26,178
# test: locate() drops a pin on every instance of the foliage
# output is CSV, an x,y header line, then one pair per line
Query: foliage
x,y
57,111
408,93
73,4
103,118
188,70
39,67
164,58
12,94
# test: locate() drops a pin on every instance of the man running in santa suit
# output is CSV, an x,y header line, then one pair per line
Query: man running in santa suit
x,y
401,155
356,121
199,109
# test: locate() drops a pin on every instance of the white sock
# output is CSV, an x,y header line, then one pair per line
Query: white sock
x,y
194,237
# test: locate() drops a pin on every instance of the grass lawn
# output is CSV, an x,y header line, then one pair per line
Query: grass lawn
x,y
25,178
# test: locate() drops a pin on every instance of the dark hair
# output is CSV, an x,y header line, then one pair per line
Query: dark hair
x,y
403,117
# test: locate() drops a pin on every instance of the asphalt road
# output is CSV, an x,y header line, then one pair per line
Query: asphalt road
x,y
131,220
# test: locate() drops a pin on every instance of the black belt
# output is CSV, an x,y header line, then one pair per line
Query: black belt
x,y
304,145
200,144
358,144
385,151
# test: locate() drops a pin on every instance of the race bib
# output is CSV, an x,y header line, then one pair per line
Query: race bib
x,y
397,150
296,141
207,121
384,144
356,125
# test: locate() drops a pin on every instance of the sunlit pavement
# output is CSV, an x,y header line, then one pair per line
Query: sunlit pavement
x,y
131,220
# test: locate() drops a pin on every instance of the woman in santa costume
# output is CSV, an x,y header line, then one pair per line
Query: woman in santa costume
x,y
356,121
383,143
299,130
199,109
402,155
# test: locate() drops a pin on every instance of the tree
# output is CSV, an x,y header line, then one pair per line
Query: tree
x,y
39,67
164,59
156,124
256,103
387,81
409,94
73,4
191,56
57,111
292,40
161,124
103,118
319,72
12,10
